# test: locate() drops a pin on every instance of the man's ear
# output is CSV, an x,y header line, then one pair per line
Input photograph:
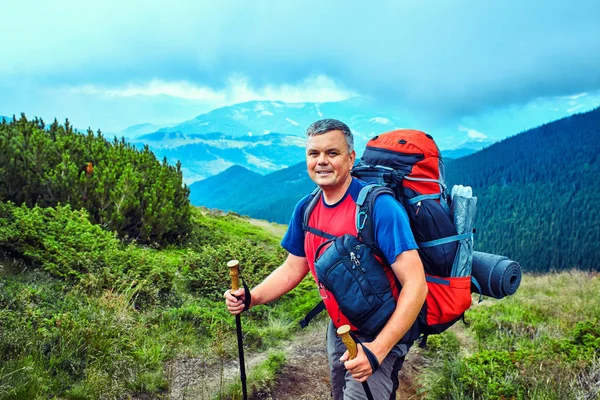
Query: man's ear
x,y
353,156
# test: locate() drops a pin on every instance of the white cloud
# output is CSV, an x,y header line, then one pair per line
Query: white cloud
x,y
380,120
155,87
291,121
472,133
576,96
239,89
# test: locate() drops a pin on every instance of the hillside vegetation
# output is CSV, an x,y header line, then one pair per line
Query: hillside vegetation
x,y
542,343
88,317
85,316
122,189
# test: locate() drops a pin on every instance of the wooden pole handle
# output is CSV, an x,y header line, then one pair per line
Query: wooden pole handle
x,y
344,333
234,273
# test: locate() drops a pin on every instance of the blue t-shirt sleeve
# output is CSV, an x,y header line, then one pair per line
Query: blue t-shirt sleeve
x,y
392,228
293,241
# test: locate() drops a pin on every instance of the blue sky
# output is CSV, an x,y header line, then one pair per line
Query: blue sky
x,y
112,64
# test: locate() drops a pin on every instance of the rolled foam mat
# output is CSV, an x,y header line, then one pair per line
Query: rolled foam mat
x,y
497,275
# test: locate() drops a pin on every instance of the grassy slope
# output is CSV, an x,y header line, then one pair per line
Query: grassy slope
x,y
83,316
541,343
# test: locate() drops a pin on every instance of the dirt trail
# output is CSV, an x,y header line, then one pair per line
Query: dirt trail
x,y
305,376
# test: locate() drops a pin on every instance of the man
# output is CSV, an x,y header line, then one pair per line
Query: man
x,y
329,159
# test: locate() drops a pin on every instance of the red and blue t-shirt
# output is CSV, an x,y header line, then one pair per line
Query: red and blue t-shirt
x,y
390,223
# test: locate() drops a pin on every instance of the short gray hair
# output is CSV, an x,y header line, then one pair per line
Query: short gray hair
x,y
326,125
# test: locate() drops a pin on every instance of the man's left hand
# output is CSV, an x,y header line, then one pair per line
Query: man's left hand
x,y
359,367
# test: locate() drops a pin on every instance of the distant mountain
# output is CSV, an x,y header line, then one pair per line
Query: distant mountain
x,y
5,118
270,197
262,136
220,187
537,194
140,129
203,155
458,153
238,126
466,148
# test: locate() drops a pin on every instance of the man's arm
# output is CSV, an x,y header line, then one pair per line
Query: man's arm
x,y
409,271
286,277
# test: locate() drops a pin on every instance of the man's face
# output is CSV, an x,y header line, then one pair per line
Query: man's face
x,y
327,159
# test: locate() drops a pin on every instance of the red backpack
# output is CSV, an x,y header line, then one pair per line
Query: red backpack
x,y
409,162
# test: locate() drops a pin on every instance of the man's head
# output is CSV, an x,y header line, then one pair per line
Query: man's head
x,y
330,156
325,125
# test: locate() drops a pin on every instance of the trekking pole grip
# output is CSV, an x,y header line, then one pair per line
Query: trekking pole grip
x,y
344,333
234,273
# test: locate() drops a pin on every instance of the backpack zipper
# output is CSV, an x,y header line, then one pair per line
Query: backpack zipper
x,y
354,259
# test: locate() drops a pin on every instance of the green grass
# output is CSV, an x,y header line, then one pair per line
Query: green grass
x,y
84,316
260,380
541,343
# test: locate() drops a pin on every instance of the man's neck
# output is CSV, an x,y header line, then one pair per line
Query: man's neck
x,y
333,195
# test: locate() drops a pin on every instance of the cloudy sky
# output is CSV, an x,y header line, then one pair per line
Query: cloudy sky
x,y
111,64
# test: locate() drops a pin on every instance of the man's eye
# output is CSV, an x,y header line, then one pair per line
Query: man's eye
x,y
333,153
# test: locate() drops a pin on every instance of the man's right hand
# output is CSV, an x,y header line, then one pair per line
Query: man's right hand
x,y
235,300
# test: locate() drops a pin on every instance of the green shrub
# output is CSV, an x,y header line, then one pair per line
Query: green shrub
x,y
84,316
123,189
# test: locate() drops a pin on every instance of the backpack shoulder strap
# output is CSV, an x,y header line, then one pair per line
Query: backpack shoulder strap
x,y
311,203
365,204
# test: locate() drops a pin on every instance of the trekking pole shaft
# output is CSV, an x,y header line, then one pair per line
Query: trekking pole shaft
x,y
344,333
238,326
234,273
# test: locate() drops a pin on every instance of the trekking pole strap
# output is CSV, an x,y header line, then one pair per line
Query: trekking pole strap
x,y
370,356
312,314
350,340
247,295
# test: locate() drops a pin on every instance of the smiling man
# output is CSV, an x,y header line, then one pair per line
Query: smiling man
x,y
330,156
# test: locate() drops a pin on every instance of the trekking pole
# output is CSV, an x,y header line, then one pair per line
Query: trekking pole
x,y
235,284
344,333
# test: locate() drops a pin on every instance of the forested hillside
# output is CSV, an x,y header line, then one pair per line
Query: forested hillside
x,y
123,189
537,194
271,197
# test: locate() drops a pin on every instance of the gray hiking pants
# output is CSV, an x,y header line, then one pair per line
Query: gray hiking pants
x,y
383,383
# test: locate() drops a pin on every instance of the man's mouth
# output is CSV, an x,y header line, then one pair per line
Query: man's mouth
x,y
324,172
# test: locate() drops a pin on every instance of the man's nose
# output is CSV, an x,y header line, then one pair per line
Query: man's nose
x,y
322,159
